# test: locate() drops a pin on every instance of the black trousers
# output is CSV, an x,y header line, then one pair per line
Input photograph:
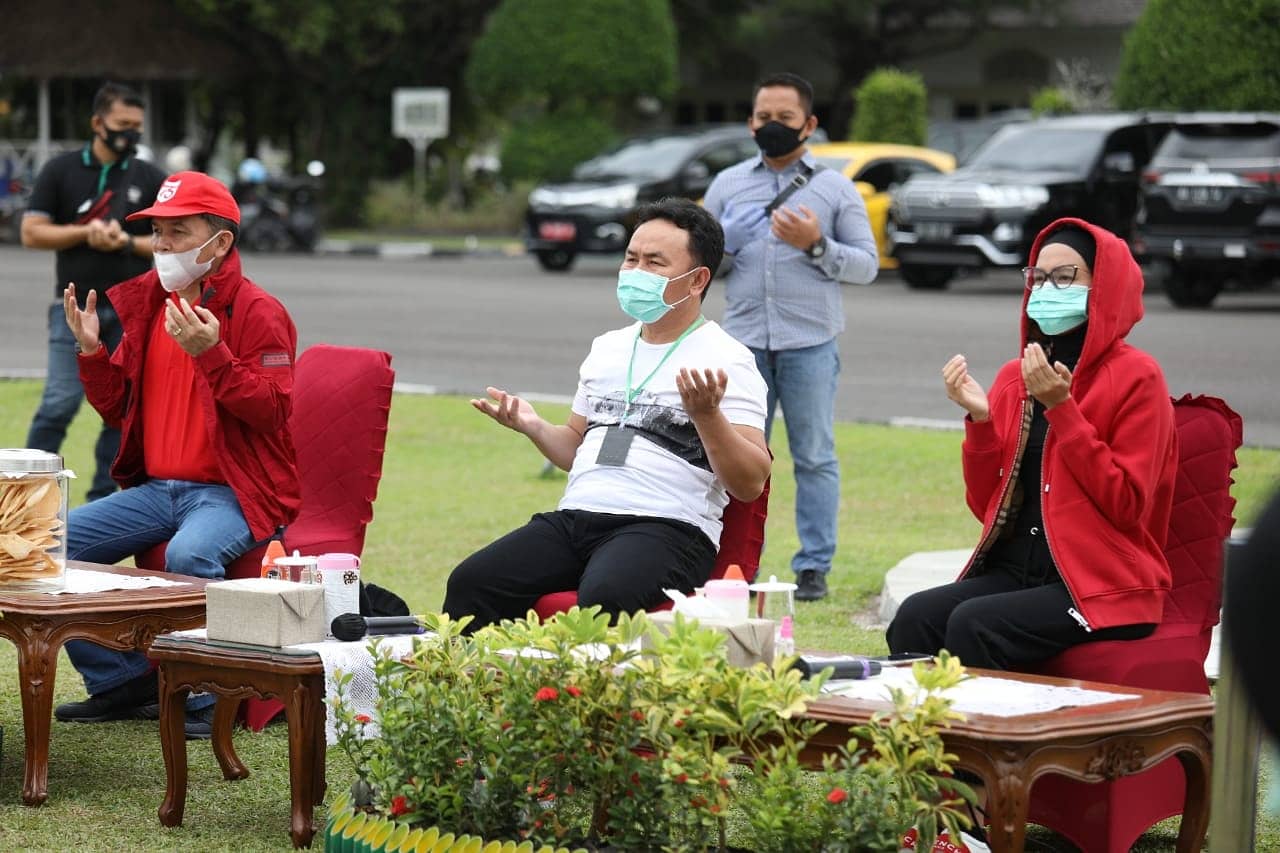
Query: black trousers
x,y
620,562
994,621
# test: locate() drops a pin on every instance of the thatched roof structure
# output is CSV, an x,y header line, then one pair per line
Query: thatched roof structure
x,y
141,40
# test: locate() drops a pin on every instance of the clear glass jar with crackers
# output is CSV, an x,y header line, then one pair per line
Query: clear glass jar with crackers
x,y
33,520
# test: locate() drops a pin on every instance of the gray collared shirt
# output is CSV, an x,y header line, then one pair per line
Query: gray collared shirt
x,y
778,297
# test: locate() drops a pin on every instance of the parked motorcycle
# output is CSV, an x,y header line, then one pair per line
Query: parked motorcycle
x,y
278,214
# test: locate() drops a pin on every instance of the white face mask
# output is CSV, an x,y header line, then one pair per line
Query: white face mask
x,y
179,269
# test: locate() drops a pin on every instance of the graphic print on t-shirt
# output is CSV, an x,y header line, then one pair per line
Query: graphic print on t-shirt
x,y
666,426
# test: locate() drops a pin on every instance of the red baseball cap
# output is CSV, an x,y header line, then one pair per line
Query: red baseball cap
x,y
190,193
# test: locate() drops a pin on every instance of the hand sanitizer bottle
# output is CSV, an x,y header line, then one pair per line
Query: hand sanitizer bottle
x,y
784,643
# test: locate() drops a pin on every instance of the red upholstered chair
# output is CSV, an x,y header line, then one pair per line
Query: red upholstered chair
x,y
741,541
341,402
1109,816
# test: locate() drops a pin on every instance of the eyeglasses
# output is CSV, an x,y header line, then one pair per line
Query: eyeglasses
x,y
1058,276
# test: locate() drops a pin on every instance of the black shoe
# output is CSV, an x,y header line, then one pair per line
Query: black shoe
x,y
134,700
811,585
199,724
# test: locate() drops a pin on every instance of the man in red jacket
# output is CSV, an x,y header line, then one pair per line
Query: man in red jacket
x,y
1069,462
200,389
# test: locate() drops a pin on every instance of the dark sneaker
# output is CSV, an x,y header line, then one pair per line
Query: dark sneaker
x,y
134,700
811,585
199,724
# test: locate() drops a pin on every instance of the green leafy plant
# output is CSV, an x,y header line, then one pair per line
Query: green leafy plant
x,y
891,107
893,774
575,731
1052,101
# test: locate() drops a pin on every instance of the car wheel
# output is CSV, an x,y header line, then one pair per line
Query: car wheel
x,y
926,277
555,260
1192,288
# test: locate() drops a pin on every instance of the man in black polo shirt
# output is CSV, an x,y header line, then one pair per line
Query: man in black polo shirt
x,y
78,209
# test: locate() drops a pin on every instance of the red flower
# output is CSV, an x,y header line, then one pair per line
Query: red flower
x,y
724,782
637,716
399,805
837,795
546,694
363,718
506,724
681,779
573,691
715,808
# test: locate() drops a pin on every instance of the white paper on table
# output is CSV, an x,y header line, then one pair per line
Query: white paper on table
x,y
992,696
81,581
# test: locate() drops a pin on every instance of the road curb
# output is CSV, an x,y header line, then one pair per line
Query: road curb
x,y
415,250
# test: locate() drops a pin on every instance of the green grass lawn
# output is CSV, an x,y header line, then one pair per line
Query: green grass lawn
x,y
453,481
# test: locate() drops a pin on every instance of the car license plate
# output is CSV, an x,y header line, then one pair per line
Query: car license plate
x,y
1234,250
934,231
560,232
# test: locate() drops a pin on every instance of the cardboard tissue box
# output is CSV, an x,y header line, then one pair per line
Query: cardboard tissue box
x,y
747,642
265,612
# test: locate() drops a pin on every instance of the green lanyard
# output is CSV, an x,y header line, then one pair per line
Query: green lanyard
x,y
632,393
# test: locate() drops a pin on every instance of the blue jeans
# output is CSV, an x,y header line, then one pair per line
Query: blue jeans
x,y
63,394
804,382
205,530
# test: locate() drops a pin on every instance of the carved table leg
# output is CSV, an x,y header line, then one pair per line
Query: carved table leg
x,y
224,721
37,666
1007,803
1198,765
318,748
300,710
173,743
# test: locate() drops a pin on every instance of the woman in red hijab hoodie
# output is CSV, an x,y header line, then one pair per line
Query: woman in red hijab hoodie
x,y
1069,463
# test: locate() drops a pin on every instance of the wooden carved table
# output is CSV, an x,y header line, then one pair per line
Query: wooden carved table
x,y
1090,744
123,619
235,672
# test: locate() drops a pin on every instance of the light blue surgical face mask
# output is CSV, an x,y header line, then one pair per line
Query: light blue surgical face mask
x,y
1058,309
640,294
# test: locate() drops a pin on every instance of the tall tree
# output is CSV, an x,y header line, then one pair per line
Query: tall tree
x,y
1203,55
322,72
568,76
855,36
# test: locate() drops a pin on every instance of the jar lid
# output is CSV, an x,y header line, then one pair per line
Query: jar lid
x,y
25,460
773,585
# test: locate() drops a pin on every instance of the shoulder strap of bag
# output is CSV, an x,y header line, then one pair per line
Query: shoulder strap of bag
x,y
802,177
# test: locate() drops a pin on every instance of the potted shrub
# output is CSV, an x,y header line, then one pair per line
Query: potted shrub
x,y
569,734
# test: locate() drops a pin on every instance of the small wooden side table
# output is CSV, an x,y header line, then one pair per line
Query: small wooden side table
x,y
123,619
235,672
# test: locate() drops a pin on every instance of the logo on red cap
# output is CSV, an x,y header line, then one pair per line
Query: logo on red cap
x,y
167,191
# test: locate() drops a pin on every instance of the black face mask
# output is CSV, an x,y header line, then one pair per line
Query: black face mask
x,y
777,140
122,142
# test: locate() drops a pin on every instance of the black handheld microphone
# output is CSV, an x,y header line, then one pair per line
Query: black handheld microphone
x,y
349,627
843,666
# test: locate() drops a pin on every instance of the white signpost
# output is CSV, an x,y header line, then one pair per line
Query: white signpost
x,y
420,115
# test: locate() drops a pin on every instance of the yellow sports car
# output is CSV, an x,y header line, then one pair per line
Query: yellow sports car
x,y
875,169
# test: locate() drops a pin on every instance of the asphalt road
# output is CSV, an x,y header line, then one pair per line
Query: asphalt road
x,y
460,324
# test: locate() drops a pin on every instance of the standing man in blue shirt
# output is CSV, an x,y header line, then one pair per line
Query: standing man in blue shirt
x,y
794,232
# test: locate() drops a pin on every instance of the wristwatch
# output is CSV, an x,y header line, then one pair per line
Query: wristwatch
x,y
818,249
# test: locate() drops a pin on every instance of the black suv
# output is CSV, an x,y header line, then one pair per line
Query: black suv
x,y
988,212
595,211
1210,211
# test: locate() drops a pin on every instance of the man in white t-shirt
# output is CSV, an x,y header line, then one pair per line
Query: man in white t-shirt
x,y
667,422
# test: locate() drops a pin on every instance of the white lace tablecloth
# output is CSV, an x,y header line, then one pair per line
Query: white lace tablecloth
x,y
995,697
361,694
80,581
